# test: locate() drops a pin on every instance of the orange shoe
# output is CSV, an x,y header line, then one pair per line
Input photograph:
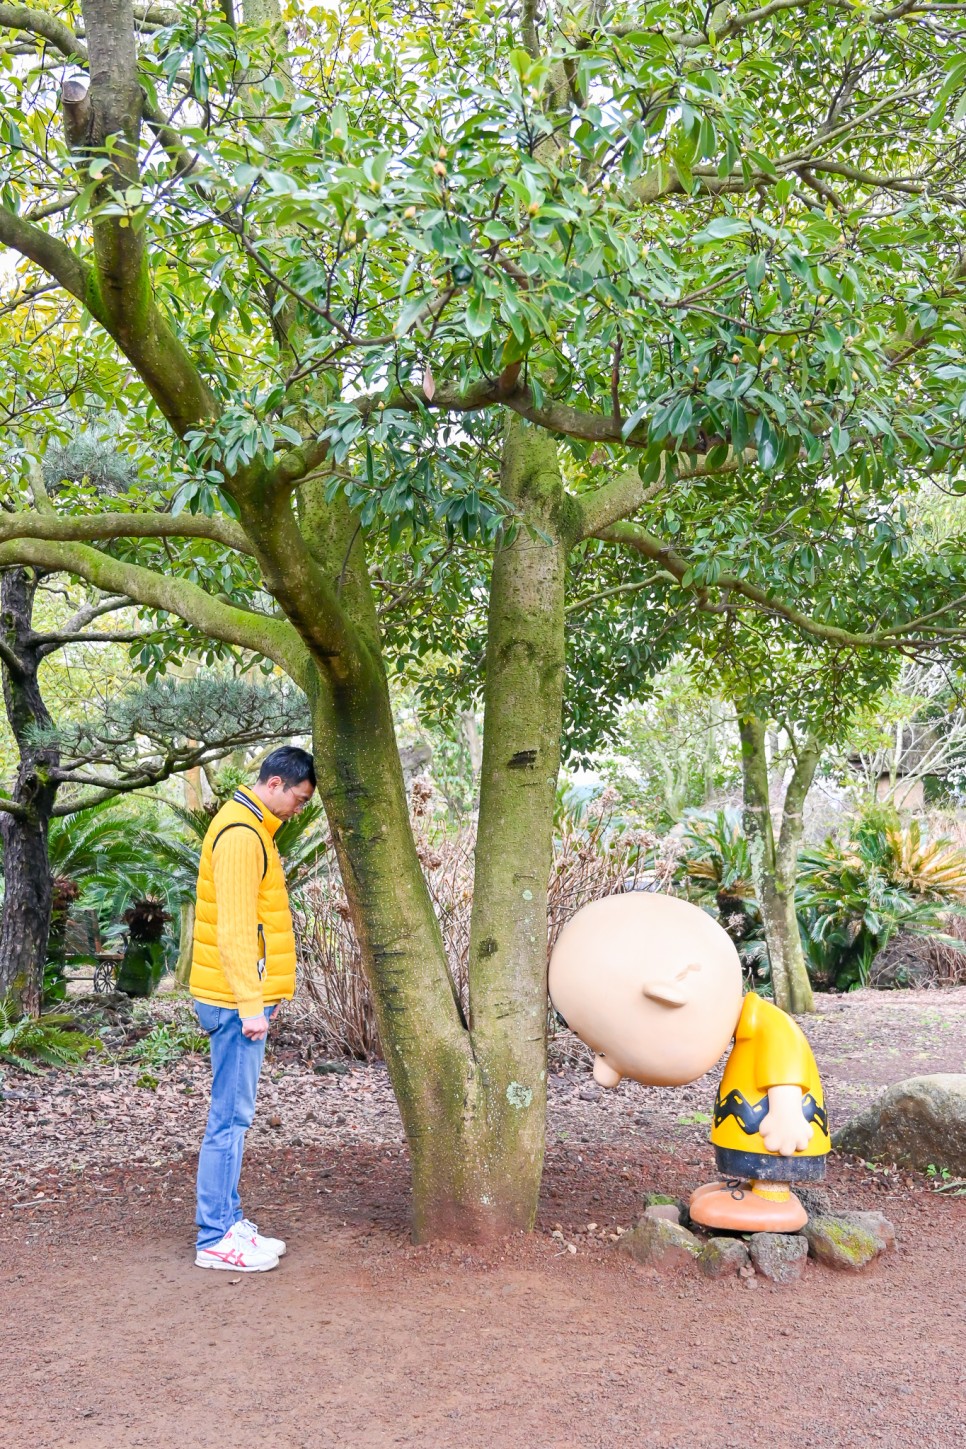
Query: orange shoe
x,y
746,1210
708,1187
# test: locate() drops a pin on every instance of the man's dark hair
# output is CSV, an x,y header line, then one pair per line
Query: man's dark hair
x,y
290,764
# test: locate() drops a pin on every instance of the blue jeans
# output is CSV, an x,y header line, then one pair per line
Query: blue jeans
x,y
235,1066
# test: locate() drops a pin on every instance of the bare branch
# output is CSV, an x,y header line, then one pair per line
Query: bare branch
x,y
274,638
104,526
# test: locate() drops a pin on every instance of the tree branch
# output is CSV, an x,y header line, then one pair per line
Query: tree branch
x,y
45,27
626,493
636,537
52,255
12,660
274,638
58,528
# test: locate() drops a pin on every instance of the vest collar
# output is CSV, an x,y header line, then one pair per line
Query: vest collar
x,y
266,818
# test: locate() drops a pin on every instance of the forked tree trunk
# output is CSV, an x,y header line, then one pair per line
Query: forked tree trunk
x,y
775,861
25,923
471,1094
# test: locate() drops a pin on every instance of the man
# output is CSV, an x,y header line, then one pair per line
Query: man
x,y
242,966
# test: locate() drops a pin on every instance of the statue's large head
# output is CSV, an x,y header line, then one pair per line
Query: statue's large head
x,y
649,982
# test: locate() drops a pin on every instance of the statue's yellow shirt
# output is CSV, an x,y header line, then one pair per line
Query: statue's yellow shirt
x,y
770,1050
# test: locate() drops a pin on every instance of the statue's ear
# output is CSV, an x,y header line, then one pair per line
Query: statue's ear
x,y
668,993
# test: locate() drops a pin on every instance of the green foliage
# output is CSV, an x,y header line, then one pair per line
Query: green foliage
x,y
33,1042
853,898
674,751
161,723
167,1043
716,861
110,853
714,870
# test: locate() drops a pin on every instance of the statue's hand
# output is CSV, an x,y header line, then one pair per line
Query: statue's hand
x,y
784,1129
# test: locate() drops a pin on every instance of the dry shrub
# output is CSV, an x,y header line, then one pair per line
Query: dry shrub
x,y
591,859
947,965
910,960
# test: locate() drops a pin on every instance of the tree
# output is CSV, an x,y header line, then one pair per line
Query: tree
x,y
912,733
350,261
147,735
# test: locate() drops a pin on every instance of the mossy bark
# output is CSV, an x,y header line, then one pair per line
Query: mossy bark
x,y
523,705
775,860
472,1094
25,922
182,970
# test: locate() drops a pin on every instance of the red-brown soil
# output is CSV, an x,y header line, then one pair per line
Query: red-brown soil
x,y
111,1338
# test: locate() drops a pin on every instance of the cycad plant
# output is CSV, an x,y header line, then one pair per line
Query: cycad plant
x,y
100,859
715,867
32,1042
854,898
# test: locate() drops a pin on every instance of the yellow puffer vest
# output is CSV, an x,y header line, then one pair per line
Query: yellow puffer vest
x,y
276,940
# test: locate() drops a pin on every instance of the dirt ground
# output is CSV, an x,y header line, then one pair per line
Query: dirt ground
x,y
110,1338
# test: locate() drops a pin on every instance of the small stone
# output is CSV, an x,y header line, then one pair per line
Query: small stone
x,y
274,1121
668,1211
779,1256
589,1094
660,1244
839,1242
723,1257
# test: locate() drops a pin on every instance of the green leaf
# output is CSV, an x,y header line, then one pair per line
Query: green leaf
x,y
721,228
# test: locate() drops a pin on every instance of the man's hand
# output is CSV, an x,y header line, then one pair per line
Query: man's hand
x,y
784,1129
255,1027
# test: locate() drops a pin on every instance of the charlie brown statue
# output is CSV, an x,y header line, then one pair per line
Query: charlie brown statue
x,y
653,986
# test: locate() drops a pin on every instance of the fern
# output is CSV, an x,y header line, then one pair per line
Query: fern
x,y
31,1042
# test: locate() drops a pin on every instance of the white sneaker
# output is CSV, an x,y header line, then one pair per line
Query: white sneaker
x,y
268,1245
238,1252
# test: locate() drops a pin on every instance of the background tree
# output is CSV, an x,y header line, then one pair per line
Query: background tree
x,y
145,736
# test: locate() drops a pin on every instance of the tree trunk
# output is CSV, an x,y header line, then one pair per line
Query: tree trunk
x,y
25,923
182,971
523,706
774,862
472,1096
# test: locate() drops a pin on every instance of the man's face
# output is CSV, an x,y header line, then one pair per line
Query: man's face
x,y
287,800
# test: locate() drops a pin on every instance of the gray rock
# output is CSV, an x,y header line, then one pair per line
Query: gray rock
x,y
917,1123
723,1257
660,1244
841,1242
873,1223
779,1256
669,1211
815,1200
